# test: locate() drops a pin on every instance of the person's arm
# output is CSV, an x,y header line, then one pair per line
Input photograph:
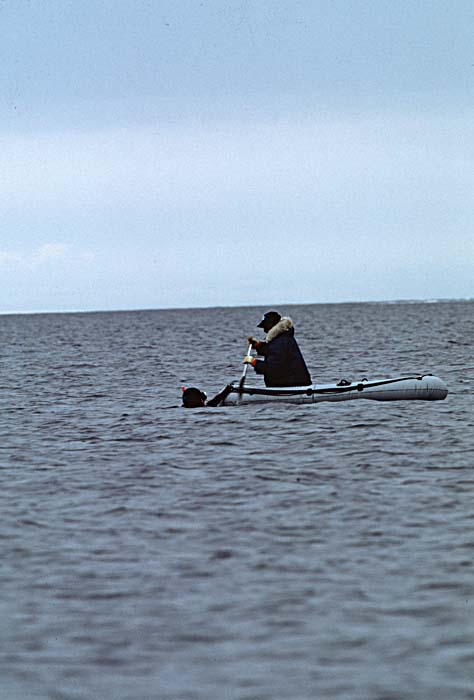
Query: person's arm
x,y
219,398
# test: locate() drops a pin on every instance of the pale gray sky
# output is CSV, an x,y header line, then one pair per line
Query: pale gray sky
x,y
195,153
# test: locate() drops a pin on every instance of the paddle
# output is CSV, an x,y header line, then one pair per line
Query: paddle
x,y
244,373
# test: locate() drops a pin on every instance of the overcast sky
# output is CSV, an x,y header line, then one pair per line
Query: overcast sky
x,y
224,152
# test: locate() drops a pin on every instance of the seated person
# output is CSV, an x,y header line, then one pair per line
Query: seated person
x,y
283,363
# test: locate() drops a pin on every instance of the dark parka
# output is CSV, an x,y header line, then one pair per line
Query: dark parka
x,y
283,364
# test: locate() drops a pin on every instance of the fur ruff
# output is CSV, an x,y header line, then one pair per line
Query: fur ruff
x,y
284,324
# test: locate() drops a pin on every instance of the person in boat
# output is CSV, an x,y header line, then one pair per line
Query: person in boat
x,y
282,363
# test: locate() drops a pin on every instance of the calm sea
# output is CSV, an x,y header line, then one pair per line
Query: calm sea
x,y
245,553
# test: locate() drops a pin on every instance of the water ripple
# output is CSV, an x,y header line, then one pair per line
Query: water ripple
x,y
266,552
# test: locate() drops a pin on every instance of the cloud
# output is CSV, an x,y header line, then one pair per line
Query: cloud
x,y
318,163
359,206
47,254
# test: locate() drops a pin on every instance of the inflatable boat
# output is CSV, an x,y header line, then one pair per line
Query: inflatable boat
x,y
425,387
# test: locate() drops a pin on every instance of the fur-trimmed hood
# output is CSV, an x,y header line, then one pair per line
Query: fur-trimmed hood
x,y
284,325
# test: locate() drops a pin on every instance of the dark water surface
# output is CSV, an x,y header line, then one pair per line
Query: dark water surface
x,y
245,553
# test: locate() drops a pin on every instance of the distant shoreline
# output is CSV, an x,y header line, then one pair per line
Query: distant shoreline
x,y
238,306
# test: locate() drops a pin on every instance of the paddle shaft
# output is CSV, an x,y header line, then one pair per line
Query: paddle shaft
x,y
244,373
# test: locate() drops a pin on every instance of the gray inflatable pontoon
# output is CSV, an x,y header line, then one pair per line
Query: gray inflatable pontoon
x,y
425,387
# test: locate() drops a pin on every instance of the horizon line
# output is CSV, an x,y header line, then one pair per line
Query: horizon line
x,y
431,300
